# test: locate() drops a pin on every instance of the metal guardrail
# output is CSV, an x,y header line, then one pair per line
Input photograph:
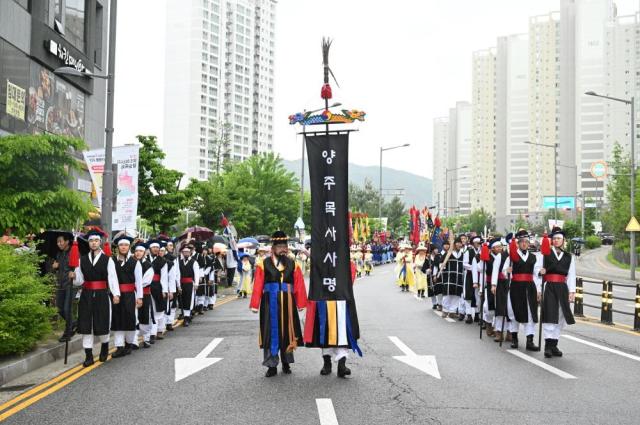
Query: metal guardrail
x,y
606,296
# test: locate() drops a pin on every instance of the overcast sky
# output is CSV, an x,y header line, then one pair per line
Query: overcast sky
x,y
404,62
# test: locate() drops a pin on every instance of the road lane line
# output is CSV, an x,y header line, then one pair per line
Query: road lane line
x,y
602,347
326,412
63,380
543,365
449,319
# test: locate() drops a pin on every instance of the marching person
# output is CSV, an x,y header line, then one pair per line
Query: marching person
x,y
524,291
246,276
65,292
97,276
500,290
452,271
123,314
210,292
368,261
421,275
279,292
404,269
430,269
489,305
470,293
159,289
559,290
188,275
145,312
166,252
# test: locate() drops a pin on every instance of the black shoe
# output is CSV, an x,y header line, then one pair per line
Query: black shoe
x,y
343,370
145,344
554,349
530,344
514,340
88,357
476,317
187,322
104,352
135,347
434,307
210,306
326,369
286,368
169,327
239,294
460,317
127,349
272,371
245,295
152,339
469,319
547,348
181,317
159,337
118,353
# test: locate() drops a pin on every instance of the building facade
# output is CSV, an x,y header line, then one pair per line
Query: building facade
x,y
440,160
219,76
483,164
36,37
460,173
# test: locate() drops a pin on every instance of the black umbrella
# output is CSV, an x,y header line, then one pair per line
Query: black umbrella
x,y
263,238
48,242
220,239
197,232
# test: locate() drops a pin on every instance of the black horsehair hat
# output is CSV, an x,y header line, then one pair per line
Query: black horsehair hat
x,y
279,238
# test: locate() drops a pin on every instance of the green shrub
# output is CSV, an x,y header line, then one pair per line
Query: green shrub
x,y
24,316
593,242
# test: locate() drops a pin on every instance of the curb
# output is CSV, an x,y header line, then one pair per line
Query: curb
x,y
36,359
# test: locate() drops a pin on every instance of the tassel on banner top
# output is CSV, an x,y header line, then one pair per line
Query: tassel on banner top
x,y
74,255
484,252
545,245
513,250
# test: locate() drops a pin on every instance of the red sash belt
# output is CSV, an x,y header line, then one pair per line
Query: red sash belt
x,y
94,285
127,287
555,278
156,278
146,290
186,280
522,277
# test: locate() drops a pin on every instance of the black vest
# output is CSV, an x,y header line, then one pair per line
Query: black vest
x,y
157,264
272,274
186,271
146,265
524,267
170,260
503,259
99,272
126,272
553,266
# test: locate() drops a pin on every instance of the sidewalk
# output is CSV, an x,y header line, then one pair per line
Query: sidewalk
x,y
593,263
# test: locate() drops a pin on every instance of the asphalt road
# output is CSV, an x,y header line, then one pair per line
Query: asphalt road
x,y
480,382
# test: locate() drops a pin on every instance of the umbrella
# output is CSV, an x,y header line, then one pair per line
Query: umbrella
x,y
220,239
263,238
197,233
219,247
578,240
248,243
47,242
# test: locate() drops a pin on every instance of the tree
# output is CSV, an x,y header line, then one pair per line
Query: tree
x,y
618,192
159,196
478,219
258,195
34,170
364,199
397,216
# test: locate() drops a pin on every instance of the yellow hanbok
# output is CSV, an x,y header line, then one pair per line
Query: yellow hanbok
x,y
421,278
404,270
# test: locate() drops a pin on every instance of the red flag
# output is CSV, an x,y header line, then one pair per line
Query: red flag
x,y
107,248
223,221
437,221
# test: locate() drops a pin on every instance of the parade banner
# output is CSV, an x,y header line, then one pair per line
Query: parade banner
x,y
126,208
329,181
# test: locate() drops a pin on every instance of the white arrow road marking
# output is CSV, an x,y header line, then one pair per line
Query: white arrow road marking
x,y
188,366
326,412
426,364
602,347
543,365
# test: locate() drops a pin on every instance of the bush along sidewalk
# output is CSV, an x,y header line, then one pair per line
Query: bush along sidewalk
x,y
25,315
593,242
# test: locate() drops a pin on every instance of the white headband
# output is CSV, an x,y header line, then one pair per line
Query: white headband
x,y
153,245
94,237
140,248
124,242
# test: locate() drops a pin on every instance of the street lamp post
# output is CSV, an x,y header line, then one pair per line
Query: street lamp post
x,y
380,179
107,174
446,187
632,237
555,175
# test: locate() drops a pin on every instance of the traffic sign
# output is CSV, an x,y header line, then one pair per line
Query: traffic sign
x,y
599,169
633,225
